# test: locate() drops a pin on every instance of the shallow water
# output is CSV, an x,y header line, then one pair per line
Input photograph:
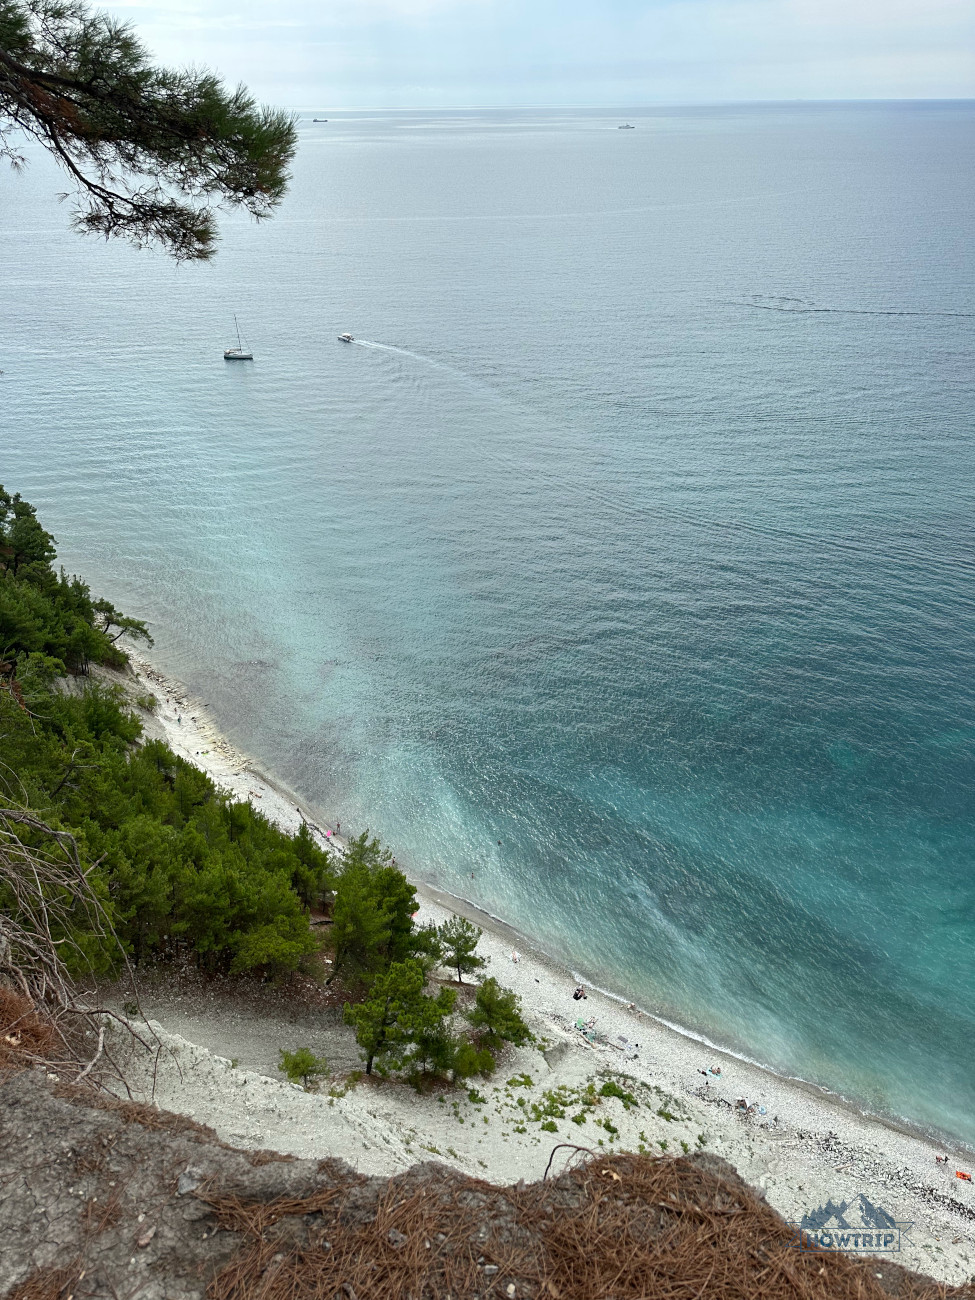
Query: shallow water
x,y
620,575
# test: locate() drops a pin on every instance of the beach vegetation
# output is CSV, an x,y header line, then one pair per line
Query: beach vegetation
x,y
302,1066
458,939
399,1027
612,1089
426,947
471,1059
373,913
521,1081
152,153
549,1126
496,1016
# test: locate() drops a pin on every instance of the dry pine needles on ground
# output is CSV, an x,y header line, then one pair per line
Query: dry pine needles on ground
x,y
612,1229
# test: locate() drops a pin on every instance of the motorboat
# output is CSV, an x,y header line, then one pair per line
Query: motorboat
x,y
346,338
239,353
626,127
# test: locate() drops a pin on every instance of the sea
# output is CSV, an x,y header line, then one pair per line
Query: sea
x,y
619,575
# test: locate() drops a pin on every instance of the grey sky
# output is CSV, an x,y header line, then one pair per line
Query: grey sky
x,y
309,53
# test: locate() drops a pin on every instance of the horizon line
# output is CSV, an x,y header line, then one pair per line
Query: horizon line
x,y
610,108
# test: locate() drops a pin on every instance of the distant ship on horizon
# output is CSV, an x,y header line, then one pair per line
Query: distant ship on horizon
x,y
626,127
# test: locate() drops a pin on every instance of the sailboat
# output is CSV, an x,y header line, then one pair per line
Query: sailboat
x,y
239,353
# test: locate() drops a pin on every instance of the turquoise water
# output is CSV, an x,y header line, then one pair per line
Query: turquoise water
x,y
635,534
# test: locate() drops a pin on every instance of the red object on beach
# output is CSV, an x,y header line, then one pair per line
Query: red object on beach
x,y
967,1177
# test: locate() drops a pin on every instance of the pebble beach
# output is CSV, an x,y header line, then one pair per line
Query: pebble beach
x,y
799,1145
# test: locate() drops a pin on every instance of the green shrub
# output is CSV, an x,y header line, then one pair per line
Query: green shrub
x,y
612,1089
302,1065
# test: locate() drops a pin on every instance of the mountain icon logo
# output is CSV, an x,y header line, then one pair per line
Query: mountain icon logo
x,y
856,1225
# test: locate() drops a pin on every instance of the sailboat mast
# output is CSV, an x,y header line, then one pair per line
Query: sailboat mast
x,y
240,346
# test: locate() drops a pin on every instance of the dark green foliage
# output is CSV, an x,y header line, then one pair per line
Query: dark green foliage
x,y
302,1065
458,943
373,912
427,947
180,866
150,151
45,613
469,1059
384,1022
398,1025
496,1014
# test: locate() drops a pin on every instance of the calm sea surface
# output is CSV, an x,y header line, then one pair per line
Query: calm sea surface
x,y
625,562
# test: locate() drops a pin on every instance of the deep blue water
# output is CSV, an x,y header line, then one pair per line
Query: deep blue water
x,y
635,535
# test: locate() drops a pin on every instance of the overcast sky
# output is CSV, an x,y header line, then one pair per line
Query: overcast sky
x,y
381,53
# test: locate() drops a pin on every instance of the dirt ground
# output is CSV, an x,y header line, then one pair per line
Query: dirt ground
x,y
245,1020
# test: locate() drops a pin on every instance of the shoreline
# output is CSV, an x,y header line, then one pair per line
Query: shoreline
x,y
836,1150
455,904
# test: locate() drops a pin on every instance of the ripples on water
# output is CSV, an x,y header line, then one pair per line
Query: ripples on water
x,y
635,535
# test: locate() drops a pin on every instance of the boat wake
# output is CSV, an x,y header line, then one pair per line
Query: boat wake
x,y
800,307
444,366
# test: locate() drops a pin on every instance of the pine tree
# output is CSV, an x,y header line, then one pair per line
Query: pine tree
x,y
496,1013
302,1065
152,152
459,939
373,912
398,1025
382,1022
